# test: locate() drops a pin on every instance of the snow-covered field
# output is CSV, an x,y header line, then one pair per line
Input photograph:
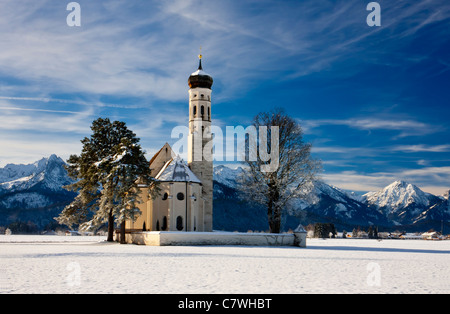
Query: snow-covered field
x,y
53,264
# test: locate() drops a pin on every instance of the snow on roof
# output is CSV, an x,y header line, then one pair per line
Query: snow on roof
x,y
176,170
200,72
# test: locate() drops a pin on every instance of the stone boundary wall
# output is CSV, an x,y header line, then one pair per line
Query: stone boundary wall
x,y
216,238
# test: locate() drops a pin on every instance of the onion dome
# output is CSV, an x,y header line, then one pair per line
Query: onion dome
x,y
200,78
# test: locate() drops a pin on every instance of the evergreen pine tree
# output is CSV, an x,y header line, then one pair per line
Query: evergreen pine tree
x,y
107,173
370,232
375,233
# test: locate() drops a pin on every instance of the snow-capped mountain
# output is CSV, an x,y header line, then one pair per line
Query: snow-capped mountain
x,y
437,212
227,176
398,195
47,172
446,195
320,202
34,190
401,202
336,205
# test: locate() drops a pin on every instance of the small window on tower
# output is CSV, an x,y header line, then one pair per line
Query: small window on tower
x,y
195,111
203,110
164,225
180,223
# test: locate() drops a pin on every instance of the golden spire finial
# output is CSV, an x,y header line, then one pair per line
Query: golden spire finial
x,y
200,55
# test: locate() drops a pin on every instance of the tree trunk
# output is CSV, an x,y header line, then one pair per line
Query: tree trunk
x,y
275,221
122,233
110,228
274,212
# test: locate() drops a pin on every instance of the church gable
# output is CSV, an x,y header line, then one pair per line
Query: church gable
x,y
161,158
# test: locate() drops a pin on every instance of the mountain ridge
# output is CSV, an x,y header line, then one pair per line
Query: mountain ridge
x,y
400,204
35,192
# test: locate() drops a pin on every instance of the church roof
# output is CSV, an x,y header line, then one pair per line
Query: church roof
x,y
200,78
176,170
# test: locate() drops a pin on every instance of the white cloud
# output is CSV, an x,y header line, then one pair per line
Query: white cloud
x,y
422,148
380,150
43,120
146,49
405,127
36,110
101,57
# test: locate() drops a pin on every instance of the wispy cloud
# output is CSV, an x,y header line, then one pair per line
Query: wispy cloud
x,y
146,49
87,60
38,110
90,103
379,150
57,79
405,128
422,148
44,120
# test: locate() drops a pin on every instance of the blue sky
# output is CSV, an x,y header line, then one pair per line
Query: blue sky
x,y
374,101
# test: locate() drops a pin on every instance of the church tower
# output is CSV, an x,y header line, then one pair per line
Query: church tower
x,y
200,158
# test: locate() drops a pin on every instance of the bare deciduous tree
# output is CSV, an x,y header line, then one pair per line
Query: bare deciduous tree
x,y
296,168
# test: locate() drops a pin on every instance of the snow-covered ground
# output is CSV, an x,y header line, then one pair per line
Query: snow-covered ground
x,y
52,264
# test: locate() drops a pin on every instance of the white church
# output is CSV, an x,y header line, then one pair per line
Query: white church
x,y
185,202
182,213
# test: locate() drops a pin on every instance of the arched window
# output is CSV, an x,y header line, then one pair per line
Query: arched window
x,y
195,111
164,226
180,223
209,113
180,196
202,111
165,196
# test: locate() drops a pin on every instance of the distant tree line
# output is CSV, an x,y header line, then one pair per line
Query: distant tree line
x,y
324,230
372,232
29,227
19,227
328,230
